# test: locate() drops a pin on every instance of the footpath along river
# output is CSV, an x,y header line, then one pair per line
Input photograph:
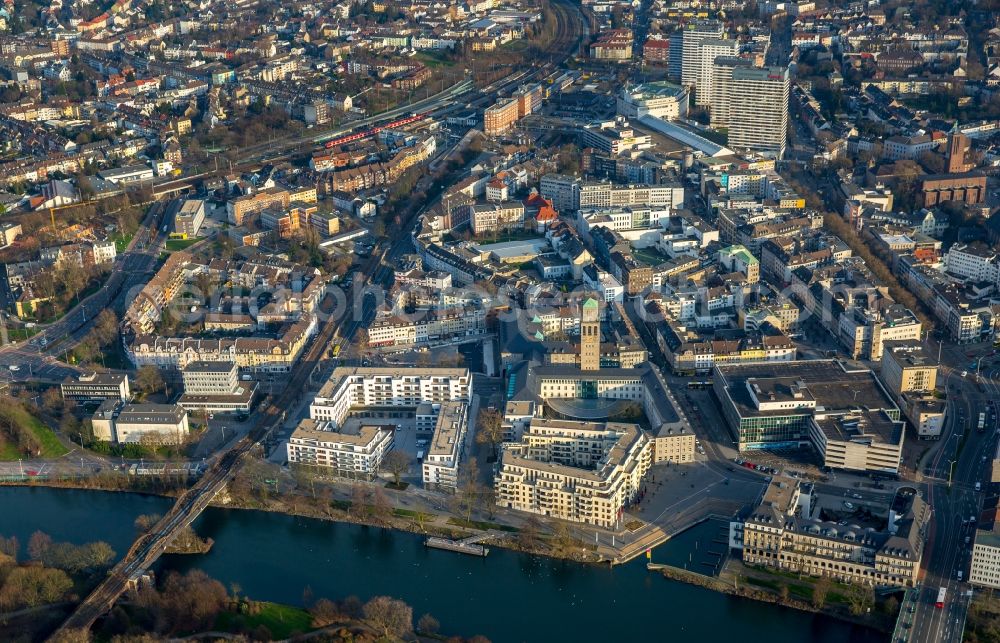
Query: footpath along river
x,y
507,596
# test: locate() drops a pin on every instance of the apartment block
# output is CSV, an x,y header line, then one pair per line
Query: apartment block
x,y
708,50
758,109
863,332
241,207
388,387
689,52
447,445
501,117
189,218
355,454
586,472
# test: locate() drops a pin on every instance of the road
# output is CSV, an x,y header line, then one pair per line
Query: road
x,y
963,453
35,359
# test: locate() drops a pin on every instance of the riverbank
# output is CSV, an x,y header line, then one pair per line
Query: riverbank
x,y
555,542
736,580
769,586
275,558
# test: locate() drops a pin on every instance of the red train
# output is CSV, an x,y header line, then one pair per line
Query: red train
x,y
375,130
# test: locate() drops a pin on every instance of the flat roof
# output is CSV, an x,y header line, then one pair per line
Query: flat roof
x,y
448,429
828,383
207,366
871,427
324,431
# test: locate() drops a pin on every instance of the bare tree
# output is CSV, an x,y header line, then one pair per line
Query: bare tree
x,y
392,617
820,589
528,535
359,501
489,429
381,507
427,624
149,380
397,463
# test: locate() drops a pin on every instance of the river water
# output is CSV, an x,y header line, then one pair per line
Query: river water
x,y
506,596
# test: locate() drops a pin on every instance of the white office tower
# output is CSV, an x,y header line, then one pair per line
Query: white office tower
x,y
758,109
722,78
710,49
691,39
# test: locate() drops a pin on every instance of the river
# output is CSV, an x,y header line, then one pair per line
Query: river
x,y
507,596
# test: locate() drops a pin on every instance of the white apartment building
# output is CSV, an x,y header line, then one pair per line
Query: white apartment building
x,y
708,50
427,326
585,472
570,193
604,283
355,455
985,569
605,195
562,190
973,262
691,39
387,387
440,464
863,332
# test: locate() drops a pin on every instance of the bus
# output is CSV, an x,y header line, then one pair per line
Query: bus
x,y
940,599
700,384
982,422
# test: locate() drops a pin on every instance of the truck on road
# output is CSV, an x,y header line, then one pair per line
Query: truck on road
x,y
940,598
982,422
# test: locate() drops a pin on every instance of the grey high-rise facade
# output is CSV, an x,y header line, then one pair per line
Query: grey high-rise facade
x,y
758,109
722,77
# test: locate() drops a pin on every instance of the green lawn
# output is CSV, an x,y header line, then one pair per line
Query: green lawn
x,y
480,524
122,241
9,452
173,245
22,333
649,256
51,446
281,620
432,61
409,513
